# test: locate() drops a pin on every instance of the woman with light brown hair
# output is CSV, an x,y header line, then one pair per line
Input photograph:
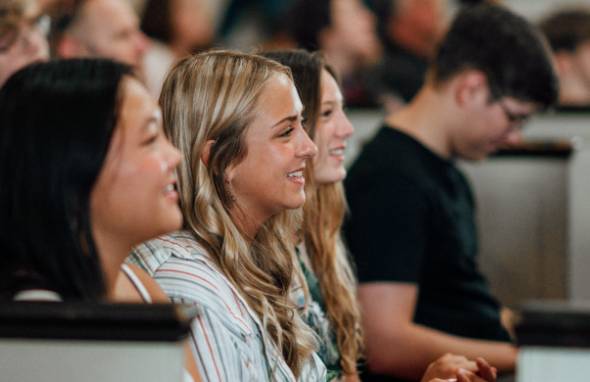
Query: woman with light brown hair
x,y
237,120
332,309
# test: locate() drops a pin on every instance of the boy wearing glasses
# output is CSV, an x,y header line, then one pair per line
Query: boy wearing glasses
x,y
411,229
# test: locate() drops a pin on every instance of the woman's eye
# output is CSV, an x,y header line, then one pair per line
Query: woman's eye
x,y
286,133
151,139
327,113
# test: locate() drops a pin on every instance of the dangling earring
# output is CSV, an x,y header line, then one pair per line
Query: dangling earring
x,y
228,192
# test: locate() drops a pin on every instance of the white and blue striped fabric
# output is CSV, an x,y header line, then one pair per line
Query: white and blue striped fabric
x,y
227,338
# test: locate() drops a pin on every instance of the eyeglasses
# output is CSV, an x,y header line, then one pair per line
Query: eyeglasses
x,y
515,120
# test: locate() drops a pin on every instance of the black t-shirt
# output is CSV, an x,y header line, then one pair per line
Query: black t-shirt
x,y
412,221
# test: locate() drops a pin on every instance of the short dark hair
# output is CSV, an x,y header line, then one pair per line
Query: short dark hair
x,y
156,21
50,159
567,28
306,19
510,51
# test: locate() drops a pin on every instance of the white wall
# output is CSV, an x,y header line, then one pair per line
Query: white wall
x,y
535,9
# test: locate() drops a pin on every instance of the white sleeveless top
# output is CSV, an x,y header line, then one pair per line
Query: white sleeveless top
x,y
141,289
145,296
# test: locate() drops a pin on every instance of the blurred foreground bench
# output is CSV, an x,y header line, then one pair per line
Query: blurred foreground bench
x,y
61,342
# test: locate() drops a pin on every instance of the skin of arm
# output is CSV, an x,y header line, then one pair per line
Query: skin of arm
x,y
397,346
126,292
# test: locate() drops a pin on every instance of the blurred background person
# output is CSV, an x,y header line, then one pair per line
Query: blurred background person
x,y
100,28
410,31
176,28
23,32
568,32
251,22
345,32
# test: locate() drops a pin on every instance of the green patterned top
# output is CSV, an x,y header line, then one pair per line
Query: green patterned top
x,y
316,318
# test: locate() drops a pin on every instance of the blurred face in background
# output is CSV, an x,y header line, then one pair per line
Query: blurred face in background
x,y
574,72
107,29
353,29
193,24
22,38
418,25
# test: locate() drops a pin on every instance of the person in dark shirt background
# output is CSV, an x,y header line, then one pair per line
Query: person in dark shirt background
x,y
411,229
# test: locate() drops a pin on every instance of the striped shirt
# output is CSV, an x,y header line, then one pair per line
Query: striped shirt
x,y
227,338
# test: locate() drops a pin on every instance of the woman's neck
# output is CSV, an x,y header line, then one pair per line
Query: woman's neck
x,y
248,223
112,253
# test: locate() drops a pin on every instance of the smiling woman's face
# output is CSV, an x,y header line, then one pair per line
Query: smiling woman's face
x,y
332,132
134,197
270,178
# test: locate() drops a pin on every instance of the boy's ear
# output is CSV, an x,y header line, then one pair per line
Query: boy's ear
x,y
471,85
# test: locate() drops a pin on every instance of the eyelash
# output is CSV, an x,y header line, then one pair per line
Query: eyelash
x,y
327,113
286,133
151,139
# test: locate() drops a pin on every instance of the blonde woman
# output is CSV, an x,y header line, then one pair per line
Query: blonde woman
x,y
333,311
237,120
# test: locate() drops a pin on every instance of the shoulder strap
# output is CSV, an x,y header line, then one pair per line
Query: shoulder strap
x,y
141,289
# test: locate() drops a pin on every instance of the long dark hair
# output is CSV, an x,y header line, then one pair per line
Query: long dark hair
x,y
56,123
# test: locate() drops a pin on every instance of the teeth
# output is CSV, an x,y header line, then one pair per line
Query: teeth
x,y
169,188
295,174
339,151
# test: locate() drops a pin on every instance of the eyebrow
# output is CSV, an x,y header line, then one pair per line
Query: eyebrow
x,y
291,118
333,102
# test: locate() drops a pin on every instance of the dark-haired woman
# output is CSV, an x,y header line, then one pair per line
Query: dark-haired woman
x,y
86,173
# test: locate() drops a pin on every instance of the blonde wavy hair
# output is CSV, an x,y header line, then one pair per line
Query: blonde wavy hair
x,y
323,214
214,96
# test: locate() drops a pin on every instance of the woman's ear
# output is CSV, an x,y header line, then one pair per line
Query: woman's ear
x,y
205,154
